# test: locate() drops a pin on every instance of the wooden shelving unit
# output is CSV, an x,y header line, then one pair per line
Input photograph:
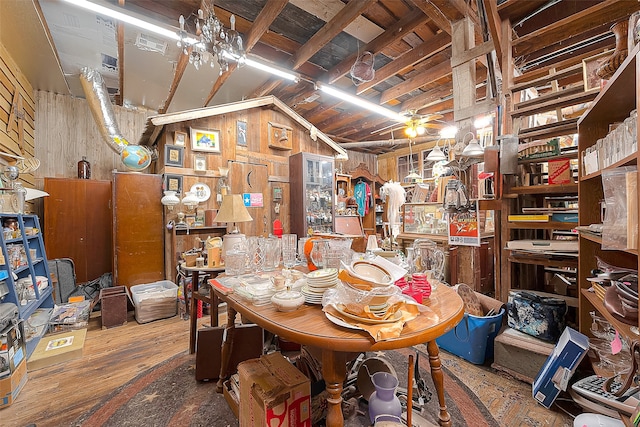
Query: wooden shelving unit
x,y
614,104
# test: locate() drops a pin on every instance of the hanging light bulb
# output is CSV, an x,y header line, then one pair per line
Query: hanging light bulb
x,y
411,132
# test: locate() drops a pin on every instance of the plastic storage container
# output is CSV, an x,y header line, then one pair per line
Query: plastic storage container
x,y
472,338
153,301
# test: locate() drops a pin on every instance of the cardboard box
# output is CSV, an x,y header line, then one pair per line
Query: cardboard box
x,y
57,348
560,366
273,392
12,349
560,171
11,386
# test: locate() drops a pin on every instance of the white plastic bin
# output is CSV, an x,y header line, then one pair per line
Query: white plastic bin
x,y
153,301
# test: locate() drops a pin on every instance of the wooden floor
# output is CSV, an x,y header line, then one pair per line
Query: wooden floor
x,y
59,394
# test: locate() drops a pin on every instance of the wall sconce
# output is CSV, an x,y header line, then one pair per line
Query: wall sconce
x,y
436,154
473,148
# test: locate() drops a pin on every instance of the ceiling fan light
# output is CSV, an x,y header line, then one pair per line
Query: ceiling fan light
x,y
435,155
411,132
421,130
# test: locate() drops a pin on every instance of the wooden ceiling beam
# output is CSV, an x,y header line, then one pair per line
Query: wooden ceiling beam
x,y
428,76
349,13
420,53
267,15
603,13
395,32
435,14
493,22
178,72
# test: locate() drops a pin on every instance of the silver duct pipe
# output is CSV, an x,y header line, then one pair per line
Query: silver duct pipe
x,y
95,91
134,157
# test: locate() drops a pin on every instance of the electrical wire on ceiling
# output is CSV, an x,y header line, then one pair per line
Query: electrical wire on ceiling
x,y
565,51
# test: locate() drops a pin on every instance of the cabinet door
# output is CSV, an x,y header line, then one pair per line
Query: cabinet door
x,y
247,179
77,224
138,229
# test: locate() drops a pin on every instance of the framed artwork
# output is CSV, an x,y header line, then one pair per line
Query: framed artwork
x,y
173,155
173,183
200,163
590,66
205,140
241,133
179,138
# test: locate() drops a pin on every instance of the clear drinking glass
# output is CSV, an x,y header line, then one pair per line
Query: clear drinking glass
x,y
235,261
289,247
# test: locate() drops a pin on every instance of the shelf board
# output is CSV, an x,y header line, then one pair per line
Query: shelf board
x,y
546,262
623,328
566,155
551,130
549,225
631,159
546,189
598,239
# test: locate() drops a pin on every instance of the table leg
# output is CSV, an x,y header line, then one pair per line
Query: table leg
x,y
444,419
214,309
334,371
193,312
227,347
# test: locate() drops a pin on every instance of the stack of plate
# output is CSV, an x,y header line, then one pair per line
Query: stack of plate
x,y
317,282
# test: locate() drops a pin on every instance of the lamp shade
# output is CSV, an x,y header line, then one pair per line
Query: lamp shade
x,y
232,210
436,155
473,149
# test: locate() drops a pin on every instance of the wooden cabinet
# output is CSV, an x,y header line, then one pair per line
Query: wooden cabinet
x,y
138,229
374,217
312,193
25,262
613,105
185,239
78,225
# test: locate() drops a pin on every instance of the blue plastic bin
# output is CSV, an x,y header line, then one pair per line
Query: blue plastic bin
x,y
472,338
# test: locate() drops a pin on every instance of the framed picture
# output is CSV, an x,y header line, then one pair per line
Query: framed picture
x,y
205,140
241,133
173,183
179,138
173,155
200,163
590,66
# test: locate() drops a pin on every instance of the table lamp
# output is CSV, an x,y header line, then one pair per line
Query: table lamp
x,y
232,210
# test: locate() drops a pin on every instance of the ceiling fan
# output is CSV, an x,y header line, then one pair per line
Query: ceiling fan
x,y
415,124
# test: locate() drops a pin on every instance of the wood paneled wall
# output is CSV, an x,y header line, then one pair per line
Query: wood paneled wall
x,y
17,114
66,131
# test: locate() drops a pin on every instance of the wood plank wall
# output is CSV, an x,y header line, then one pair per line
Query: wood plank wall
x,y
17,114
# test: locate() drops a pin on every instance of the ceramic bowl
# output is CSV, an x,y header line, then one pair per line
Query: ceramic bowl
x,y
371,272
287,300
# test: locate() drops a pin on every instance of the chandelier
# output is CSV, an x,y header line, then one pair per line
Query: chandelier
x,y
212,40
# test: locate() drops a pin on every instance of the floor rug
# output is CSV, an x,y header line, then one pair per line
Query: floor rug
x,y
169,395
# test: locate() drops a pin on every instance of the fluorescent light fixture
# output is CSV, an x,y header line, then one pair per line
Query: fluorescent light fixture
x,y
448,132
360,102
269,69
125,17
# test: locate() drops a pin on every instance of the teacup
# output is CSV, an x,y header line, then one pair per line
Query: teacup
x,y
279,282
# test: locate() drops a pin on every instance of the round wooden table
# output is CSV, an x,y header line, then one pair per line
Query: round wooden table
x,y
309,326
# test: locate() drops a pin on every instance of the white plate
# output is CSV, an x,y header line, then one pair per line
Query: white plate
x,y
396,316
201,191
323,273
341,322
